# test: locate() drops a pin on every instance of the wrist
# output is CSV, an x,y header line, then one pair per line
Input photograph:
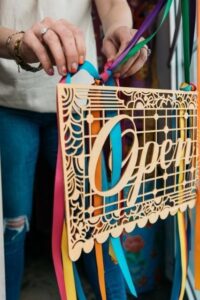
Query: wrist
x,y
10,43
13,45
114,27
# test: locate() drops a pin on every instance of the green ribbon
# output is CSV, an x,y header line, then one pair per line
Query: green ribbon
x,y
186,39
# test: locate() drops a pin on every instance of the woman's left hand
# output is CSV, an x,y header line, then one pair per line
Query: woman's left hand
x,y
114,44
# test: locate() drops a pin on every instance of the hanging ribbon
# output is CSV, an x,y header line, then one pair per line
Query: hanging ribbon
x,y
176,35
95,128
193,18
67,267
183,239
177,274
180,215
186,39
58,219
191,30
192,22
116,150
81,295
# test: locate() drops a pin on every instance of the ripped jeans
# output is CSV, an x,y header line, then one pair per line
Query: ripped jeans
x,y
22,133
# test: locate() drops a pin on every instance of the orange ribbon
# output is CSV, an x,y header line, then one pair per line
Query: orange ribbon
x,y
95,128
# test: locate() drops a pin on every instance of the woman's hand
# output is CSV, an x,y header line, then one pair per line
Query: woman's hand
x,y
53,42
114,44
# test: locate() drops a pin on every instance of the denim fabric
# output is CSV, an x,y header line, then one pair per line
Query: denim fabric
x,y
115,285
22,134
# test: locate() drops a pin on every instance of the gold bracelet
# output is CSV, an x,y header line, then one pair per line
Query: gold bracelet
x,y
16,54
9,39
19,60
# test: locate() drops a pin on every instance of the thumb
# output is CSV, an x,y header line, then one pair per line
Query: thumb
x,y
123,40
109,49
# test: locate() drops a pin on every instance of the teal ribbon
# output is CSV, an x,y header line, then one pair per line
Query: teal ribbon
x,y
87,66
79,288
187,42
116,147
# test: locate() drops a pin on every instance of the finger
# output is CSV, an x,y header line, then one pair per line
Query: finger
x,y
69,45
139,63
109,49
31,41
52,42
123,37
80,44
126,66
126,38
51,39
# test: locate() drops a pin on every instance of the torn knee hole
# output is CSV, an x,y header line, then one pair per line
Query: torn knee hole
x,y
16,224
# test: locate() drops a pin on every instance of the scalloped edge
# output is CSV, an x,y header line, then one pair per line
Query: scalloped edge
x,y
116,232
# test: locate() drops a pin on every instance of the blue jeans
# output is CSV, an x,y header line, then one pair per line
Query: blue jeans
x,y
22,133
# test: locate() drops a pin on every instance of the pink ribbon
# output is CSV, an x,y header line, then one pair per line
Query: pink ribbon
x,y
58,219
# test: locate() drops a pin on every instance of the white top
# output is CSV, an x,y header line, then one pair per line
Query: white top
x,y
37,91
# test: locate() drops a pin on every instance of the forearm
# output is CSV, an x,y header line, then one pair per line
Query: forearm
x,y
4,34
113,14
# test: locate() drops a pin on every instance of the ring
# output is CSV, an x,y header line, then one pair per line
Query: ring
x,y
44,30
147,49
148,52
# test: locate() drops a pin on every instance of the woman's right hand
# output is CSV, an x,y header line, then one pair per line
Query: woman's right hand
x,y
62,45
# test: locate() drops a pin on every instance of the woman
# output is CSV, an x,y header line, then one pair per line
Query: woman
x,y
52,33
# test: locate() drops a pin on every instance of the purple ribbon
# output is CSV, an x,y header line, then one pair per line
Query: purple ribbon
x,y
192,24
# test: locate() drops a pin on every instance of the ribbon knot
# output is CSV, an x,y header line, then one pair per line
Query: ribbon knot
x,y
188,87
105,75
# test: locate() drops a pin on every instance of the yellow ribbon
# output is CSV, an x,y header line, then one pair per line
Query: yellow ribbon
x,y
68,267
180,216
183,247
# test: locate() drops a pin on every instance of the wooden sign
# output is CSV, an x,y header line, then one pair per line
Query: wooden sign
x,y
157,164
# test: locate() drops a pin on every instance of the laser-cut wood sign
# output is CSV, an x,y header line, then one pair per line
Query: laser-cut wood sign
x,y
159,154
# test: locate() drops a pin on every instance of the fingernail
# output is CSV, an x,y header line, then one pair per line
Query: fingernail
x,y
64,70
74,67
81,60
51,72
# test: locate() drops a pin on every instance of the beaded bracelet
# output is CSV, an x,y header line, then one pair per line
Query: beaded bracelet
x,y
16,54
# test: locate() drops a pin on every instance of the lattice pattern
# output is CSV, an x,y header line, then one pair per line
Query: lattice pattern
x,y
158,133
